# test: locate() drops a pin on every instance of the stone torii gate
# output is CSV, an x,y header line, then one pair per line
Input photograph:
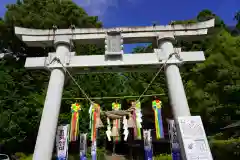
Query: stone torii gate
x,y
113,60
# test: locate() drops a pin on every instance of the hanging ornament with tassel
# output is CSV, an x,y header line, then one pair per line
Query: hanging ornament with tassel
x,y
125,127
75,109
138,115
97,109
157,106
130,121
116,123
95,122
133,118
108,132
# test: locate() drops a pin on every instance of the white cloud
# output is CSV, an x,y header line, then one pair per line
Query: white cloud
x,y
99,7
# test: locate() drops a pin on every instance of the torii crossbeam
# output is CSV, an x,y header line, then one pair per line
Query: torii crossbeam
x,y
113,60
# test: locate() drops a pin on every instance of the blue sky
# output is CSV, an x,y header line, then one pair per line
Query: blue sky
x,y
145,12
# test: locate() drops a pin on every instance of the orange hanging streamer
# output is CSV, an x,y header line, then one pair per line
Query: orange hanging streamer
x,y
75,108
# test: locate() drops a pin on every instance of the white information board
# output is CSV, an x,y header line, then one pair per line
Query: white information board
x,y
193,138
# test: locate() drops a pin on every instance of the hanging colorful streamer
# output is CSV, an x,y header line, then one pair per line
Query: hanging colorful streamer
x,y
157,105
116,123
75,109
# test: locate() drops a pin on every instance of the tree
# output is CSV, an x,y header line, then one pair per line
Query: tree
x,y
237,18
206,14
213,86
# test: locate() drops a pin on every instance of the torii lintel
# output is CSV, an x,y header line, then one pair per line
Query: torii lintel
x,y
43,38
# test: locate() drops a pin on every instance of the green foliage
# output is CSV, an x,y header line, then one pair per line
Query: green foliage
x,y
213,86
237,18
100,155
27,158
43,14
163,157
225,149
21,95
21,156
204,15
221,150
184,22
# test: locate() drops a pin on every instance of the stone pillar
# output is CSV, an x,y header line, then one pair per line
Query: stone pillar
x,y
177,96
48,125
176,91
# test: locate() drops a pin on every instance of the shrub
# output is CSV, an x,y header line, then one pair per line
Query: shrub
x,y
100,155
20,155
221,150
163,157
27,158
225,149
